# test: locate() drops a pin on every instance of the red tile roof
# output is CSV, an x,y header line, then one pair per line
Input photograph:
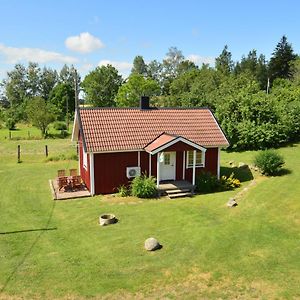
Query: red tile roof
x,y
121,129
160,141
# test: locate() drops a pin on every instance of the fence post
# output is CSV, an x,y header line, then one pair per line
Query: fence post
x,y
19,153
9,134
46,150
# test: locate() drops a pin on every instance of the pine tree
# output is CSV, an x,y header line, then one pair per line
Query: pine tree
x,y
224,63
280,62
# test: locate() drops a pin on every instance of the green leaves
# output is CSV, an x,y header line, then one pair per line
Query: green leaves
x,y
269,162
101,86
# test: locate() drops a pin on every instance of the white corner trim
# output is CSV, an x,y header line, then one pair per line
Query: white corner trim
x,y
183,167
150,164
75,129
158,170
139,159
218,166
84,158
92,174
194,167
178,139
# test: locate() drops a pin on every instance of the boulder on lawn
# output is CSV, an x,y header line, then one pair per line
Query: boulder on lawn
x,y
152,244
231,203
243,165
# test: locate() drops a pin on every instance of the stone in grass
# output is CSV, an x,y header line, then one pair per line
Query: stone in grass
x,y
243,165
232,202
152,244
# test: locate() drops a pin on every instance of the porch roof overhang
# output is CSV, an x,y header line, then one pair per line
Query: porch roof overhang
x,y
165,140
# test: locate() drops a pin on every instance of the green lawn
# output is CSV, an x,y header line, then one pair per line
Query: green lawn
x,y
57,249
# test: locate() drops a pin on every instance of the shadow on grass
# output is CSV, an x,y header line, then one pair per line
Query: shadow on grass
x,y
242,174
284,172
60,135
41,232
28,230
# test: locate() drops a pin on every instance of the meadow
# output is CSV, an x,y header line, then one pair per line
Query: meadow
x,y
57,250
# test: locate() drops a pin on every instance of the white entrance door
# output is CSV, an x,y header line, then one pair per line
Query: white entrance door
x,y
168,166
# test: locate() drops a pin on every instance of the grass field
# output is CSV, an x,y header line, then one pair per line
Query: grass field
x,y
51,250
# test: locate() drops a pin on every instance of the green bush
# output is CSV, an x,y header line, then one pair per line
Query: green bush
x,y
144,187
269,162
59,125
206,183
123,191
10,123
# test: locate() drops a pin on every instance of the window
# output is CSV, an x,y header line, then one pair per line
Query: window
x,y
167,159
84,158
199,159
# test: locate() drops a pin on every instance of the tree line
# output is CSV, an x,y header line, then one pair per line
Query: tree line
x,y
256,101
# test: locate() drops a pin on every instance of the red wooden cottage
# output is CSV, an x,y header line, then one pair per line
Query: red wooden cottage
x,y
117,144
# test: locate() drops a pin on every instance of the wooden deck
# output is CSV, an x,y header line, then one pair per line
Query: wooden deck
x,y
64,195
165,186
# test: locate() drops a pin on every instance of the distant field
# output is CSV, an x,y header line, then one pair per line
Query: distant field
x,y
51,250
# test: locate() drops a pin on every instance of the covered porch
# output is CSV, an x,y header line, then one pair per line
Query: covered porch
x,y
176,161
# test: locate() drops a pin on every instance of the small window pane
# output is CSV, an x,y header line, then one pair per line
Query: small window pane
x,y
167,159
191,157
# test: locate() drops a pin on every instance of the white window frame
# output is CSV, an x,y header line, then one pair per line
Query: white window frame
x,y
84,159
202,165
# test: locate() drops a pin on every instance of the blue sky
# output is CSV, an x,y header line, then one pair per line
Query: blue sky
x,y
88,33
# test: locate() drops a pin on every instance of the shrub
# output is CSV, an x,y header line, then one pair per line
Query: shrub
x,y
144,186
206,183
10,123
123,191
269,162
59,125
229,183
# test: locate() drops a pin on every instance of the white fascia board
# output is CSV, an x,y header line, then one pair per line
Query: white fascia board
x,y
179,139
75,129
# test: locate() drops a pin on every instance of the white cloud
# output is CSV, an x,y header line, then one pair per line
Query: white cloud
x,y
199,60
14,55
122,66
83,43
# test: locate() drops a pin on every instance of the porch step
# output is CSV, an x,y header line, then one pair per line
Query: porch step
x,y
179,195
178,191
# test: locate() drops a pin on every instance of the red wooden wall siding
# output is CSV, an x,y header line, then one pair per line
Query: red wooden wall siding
x,y
110,170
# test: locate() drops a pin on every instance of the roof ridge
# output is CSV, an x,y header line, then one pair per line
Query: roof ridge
x,y
137,108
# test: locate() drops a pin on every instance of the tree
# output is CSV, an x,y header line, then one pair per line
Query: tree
x,y
69,75
15,85
224,63
186,66
170,67
48,79
139,66
101,86
130,92
171,63
33,80
62,97
40,114
280,62
255,66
